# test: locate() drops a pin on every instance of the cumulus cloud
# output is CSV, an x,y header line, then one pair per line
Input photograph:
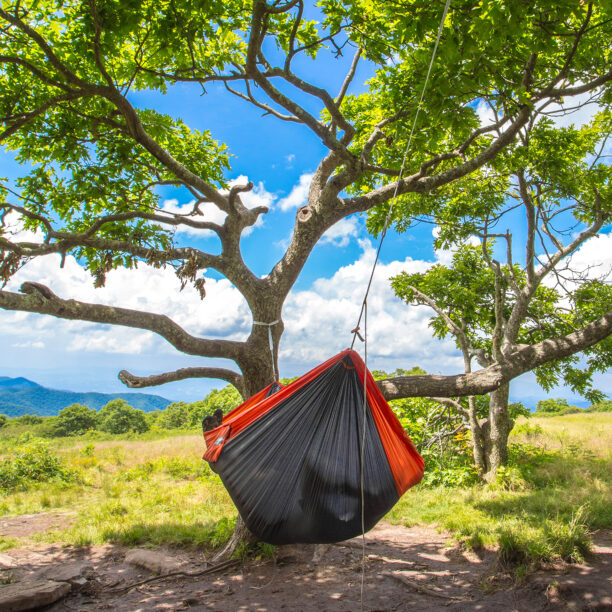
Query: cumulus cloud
x,y
318,321
485,113
593,260
341,233
223,312
298,196
575,110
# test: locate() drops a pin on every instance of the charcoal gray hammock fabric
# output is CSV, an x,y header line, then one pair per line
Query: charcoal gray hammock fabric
x,y
290,457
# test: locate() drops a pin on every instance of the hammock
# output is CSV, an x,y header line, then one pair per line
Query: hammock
x,y
290,457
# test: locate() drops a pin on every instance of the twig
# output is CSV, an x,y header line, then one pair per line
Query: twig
x,y
210,570
419,588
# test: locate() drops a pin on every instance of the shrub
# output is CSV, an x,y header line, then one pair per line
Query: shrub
x,y
28,419
119,417
175,416
603,406
3,420
74,420
32,462
555,407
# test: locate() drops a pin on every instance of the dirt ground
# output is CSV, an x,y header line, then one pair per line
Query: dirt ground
x,y
406,569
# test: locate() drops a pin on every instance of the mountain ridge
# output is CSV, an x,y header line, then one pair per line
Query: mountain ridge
x,y
19,396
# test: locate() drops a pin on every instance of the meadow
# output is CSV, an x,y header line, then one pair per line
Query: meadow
x,y
153,489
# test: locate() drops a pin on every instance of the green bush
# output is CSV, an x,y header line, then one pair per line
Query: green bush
x,y
27,419
175,416
119,417
32,462
3,420
74,420
603,406
555,407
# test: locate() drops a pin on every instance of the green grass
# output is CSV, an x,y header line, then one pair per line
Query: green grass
x,y
157,490
131,492
557,489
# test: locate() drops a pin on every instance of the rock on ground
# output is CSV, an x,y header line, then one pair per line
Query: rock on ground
x,y
155,562
30,595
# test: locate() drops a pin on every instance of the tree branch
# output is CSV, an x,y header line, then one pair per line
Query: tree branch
x,y
138,382
40,299
451,403
484,381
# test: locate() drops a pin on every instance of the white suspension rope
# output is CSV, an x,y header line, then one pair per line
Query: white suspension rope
x,y
355,331
364,305
363,440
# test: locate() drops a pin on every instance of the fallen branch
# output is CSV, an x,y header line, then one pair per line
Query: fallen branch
x,y
420,589
209,570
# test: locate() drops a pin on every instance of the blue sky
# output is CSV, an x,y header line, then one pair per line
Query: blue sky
x,y
320,313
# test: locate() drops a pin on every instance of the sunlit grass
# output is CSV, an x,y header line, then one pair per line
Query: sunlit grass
x,y
557,489
154,491
132,492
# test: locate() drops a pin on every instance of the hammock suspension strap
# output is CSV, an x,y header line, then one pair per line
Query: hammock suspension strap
x,y
271,341
355,331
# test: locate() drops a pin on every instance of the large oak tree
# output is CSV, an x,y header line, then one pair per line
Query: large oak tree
x,y
94,162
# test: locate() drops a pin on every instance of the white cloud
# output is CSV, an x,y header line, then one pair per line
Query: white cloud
x,y
445,256
30,344
575,110
485,113
298,196
223,312
318,321
341,232
209,211
594,258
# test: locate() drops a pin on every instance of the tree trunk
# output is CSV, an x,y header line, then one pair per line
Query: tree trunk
x,y
479,438
497,432
490,435
241,537
258,373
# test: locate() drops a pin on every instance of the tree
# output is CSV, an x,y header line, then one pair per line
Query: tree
x,y
603,406
74,420
495,299
98,162
174,416
555,407
119,417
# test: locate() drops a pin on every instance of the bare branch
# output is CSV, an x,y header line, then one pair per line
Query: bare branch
x,y
40,299
348,78
454,404
484,381
138,382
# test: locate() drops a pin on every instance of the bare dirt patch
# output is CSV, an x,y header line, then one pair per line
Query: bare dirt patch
x,y
28,524
412,569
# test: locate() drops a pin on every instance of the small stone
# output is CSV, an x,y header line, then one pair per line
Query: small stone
x,y
71,572
31,595
155,562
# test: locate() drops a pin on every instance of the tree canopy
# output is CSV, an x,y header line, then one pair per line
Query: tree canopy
x,y
93,162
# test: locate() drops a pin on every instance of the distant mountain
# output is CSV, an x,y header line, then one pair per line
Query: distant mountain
x,y
19,396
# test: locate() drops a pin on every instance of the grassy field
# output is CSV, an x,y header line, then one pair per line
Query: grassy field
x,y
544,505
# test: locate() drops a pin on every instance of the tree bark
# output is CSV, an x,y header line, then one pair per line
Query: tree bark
x,y
479,437
499,427
241,537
